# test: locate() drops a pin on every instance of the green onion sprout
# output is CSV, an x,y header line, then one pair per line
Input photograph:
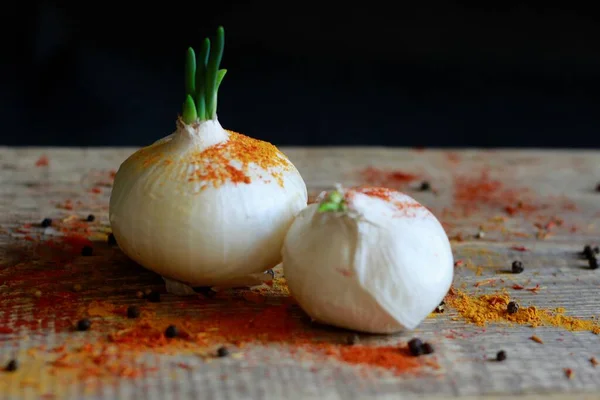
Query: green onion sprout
x,y
202,80
334,202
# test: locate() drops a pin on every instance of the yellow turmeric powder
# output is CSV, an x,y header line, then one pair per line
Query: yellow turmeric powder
x,y
486,308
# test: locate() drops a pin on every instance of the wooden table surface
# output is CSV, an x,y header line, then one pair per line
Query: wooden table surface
x,y
540,207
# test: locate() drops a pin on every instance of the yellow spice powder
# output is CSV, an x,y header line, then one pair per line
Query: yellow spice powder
x,y
486,308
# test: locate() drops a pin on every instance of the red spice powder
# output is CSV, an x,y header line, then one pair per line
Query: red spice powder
x,y
213,163
388,195
264,323
42,161
472,194
519,248
392,179
453,158
398,360
379,192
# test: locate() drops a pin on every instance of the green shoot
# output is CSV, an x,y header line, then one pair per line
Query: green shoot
x,y
190,114
190,72
212,70
334,202
203,79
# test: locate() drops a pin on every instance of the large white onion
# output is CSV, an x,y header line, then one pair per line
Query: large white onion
x,y
205,206
379,265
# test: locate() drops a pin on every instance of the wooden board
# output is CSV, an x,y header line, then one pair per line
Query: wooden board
x,y
543,202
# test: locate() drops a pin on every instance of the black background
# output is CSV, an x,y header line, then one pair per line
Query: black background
x,y
306,73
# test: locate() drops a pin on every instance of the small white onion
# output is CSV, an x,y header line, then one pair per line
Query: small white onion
x,y
379,265
205,206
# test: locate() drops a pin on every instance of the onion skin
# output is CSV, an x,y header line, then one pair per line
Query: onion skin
x,y
380,268
202,232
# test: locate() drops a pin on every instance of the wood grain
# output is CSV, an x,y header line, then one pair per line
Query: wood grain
x,y
558,184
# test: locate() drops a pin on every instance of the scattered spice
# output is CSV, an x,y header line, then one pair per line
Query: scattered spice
x,y
501,355
569,373
425,186
537,339
87,251
594,361
517,267
12,366
598,187
519,248
139,294
473,193
512,307
90,218
390,179
389,357
222,352
84,324
415,346
486,308
428,348
153,297
37,293
171,331
111,240
352,339
212,165
480,235
77,287
43,161
133,312
46,222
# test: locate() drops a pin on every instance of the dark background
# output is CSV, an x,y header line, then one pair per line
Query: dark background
x,y
434,73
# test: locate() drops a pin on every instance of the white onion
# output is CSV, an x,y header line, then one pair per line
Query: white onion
x,y
379,263
169,215
205,206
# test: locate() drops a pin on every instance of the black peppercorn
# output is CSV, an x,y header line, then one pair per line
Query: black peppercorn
x,y
90,218
133,312
517,267
593,262
12,366
427,348
425,186
222,352
352,339
512,307
415,346
46,222
588,252
598,187
111,239
501,356
171,331
440,308
84,324
153,297
87,251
